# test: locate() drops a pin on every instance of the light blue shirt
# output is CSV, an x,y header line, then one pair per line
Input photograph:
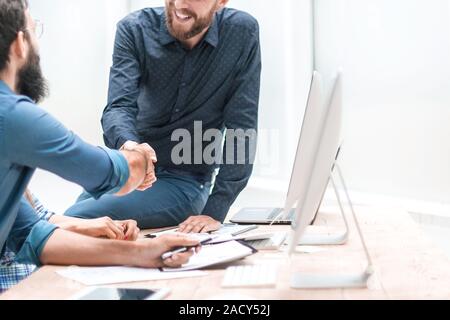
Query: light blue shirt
x,y
31,138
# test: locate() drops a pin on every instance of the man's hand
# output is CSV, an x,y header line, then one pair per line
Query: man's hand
x,y
151,251
199,224
150,155
104,227
130,229
137,164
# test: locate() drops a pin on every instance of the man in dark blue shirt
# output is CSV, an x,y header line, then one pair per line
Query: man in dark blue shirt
x,y
194,66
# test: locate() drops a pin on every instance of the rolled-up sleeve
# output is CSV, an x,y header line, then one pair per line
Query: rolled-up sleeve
x,y
29,235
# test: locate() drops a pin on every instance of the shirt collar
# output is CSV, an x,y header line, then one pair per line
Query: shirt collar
x,y
4,88
211,37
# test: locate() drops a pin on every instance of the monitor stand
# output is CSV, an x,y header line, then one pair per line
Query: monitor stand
x,y
330,239
305,281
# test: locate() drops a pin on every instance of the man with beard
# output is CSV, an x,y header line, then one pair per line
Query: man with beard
x,y
192,62
30,138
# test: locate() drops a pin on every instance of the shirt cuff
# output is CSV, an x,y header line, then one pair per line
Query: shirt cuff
x,y
119,176
34,244
217,209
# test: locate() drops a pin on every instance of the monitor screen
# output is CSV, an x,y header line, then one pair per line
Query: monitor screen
x,y
307,145
323,160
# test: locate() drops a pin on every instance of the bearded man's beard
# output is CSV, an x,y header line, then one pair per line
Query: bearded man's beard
x,y
31,81
200,24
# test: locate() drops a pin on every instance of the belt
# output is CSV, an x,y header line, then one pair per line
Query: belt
x,y
203,178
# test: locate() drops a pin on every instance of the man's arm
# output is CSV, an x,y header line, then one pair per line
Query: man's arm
x,y
39,242
103,227
240,114
33,138
119,116
84,251
28,234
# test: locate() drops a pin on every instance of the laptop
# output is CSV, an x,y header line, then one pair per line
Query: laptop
x,y
262,216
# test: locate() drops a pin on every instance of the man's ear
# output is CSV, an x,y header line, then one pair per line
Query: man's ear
x,y
19,47
221,4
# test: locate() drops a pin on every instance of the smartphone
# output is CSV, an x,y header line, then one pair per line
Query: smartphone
x,y
100,293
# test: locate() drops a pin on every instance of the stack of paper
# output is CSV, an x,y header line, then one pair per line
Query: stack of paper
x,y
93,276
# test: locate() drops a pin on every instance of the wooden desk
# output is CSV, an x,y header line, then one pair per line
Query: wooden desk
x,y
407,264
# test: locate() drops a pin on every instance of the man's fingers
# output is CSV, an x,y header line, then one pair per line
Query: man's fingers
x,y
212,227
129,145
150,155
180,241
118,231
136,234
179,259
109,234
188,228
151,152
183,225
150,167
197,228
131,229
150,179
144,188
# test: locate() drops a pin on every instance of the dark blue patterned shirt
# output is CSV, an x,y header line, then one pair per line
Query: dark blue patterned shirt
x,y
158,86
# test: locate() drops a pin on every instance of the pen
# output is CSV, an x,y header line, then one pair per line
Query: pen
x,y
183,249
156,234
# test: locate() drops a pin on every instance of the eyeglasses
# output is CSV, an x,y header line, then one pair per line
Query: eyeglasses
x,y
38,28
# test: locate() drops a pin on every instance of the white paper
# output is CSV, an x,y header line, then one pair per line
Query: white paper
x,y
211,255
234,229
227,230
93,276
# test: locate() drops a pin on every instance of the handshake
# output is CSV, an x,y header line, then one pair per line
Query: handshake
x,y
141,160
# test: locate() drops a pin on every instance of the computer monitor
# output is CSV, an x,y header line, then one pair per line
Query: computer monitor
x,y
325,163
307,147
319,165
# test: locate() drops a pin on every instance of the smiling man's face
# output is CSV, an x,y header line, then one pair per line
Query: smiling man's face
x,y
189,18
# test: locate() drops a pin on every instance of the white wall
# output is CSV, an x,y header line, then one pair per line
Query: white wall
x,y
286,46
139,4
396,60
76,53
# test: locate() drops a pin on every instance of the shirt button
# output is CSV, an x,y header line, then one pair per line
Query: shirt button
x,y
177,110
183,84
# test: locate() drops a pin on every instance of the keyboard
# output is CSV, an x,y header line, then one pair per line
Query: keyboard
x,y
251,276
272,243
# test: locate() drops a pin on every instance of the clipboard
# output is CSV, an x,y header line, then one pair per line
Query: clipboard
x,y
216,254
